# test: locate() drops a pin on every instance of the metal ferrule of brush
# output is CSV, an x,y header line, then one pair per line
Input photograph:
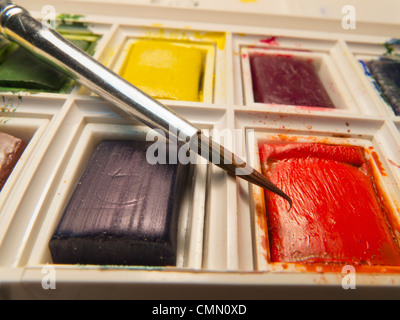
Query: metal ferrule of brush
x,y
225,159
18,25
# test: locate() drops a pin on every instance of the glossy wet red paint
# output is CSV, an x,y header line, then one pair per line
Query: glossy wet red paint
x,y
337,216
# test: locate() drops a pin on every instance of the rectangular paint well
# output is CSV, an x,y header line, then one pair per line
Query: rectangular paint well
x,y
287,80
337,217
22,71
387,75
165,70
11,149
124,211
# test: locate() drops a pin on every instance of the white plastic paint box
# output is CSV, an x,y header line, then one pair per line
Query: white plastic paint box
x,y
220,253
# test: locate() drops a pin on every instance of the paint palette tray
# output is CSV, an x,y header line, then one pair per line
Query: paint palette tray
x,y
222,247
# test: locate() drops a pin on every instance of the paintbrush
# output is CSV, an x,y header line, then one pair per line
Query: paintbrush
x,y
17,25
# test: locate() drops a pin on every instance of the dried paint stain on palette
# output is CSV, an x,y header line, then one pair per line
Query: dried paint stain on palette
x,y
11,149
165,70
124,211
287,80
336,216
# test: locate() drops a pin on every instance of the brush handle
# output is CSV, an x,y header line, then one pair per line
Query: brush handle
x,y
19,26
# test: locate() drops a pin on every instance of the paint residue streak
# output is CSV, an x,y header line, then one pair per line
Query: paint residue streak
x,y
378,163
270,41
393,163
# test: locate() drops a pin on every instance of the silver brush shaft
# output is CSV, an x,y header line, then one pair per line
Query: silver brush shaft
x,y
19,26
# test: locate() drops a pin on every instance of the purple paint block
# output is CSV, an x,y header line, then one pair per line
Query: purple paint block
x,y
124,211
